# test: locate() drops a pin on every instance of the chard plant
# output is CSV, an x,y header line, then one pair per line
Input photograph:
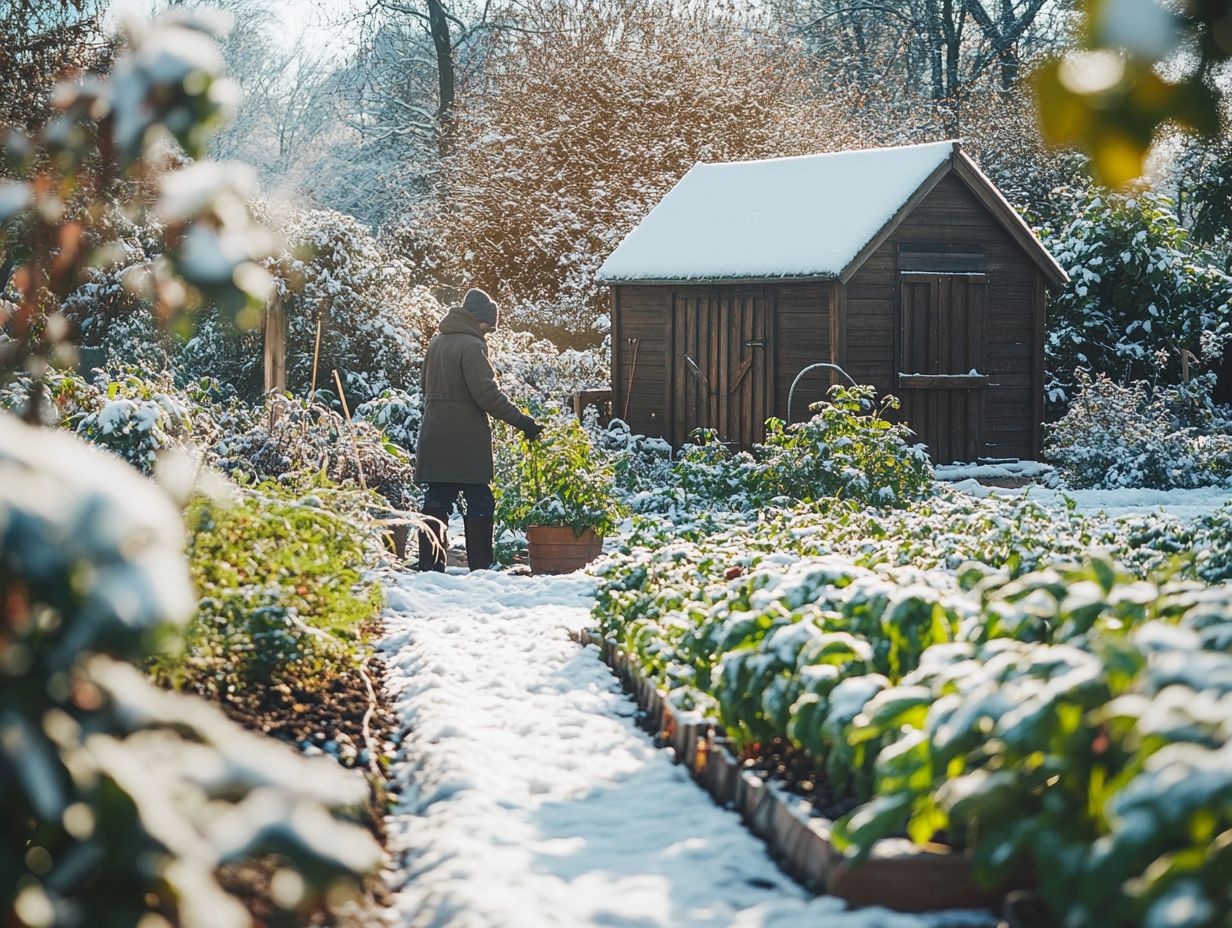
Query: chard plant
x,y
994,689
560,480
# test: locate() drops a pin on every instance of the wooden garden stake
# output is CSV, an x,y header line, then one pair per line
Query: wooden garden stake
x,y
534,468
350,430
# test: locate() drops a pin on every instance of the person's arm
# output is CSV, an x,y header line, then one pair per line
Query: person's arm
x,y
481,382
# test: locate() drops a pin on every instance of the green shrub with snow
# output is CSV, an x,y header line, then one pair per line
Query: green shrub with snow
x,y
848,450
1140,435
119,799
1138,286
290,437
374,322
135,417
397,413
278,573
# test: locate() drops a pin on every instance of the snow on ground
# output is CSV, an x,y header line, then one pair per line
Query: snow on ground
x,y
1185,505
528,796
992,470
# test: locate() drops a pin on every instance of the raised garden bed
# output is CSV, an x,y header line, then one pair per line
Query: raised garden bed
x,y
898,874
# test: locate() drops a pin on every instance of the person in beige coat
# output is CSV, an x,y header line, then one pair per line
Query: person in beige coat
x,y
454,452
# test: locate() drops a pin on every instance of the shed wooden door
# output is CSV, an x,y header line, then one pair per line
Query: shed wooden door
x,y
720,365
941,361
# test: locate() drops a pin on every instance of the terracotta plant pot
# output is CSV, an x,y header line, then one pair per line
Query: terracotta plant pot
x,y
556,549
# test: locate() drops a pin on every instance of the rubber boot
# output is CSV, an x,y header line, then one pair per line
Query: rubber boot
x,y
479,553
433,540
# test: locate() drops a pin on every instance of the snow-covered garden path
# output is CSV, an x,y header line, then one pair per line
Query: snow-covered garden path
x,y
529,797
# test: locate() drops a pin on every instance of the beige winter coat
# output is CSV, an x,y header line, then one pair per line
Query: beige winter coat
x,y
460,392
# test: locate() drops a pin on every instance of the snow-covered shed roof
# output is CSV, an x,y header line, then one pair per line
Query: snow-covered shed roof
x,y
810,216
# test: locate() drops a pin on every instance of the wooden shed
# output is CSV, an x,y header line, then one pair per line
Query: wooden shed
x,y
905,267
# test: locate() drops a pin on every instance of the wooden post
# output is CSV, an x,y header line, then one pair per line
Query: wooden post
x,y
275,350
275,345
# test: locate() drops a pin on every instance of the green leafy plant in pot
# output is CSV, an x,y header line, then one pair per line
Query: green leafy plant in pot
x,y
560,490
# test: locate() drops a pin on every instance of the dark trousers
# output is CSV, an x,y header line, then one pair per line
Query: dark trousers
x,y
439,501
480,503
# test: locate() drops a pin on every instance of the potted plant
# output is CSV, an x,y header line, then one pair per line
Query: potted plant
x,y
560,491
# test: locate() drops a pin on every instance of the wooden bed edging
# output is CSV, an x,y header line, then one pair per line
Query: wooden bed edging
x,y
898,874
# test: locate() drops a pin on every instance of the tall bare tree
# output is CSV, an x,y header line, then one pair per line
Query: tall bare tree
x,y
940,51
436,49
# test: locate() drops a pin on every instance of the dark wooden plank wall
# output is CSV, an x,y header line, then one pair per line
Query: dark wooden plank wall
x,y
644,313
951,214
802,336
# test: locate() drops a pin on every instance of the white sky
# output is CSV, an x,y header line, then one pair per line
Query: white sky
x,y
320,24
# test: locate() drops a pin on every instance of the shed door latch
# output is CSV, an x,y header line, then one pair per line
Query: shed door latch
x,y
755,343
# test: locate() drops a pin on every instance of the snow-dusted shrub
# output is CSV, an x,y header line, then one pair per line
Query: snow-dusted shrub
x,y
121,800
292,437
569,325
135,417
116,327
136,428
536,372
397,413
1138,436
710,475
375,323
848,450
1138,286
1212,547
642,466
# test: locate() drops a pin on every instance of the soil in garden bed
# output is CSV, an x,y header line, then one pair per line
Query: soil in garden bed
x,y
326,713
795,771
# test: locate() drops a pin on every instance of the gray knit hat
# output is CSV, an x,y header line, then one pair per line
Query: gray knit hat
x,y
481,306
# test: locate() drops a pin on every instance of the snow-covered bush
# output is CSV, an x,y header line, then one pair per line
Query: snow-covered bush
x,y
585,118
848,450
375,324
135,417
536,372
845,451
1138,286
1139,436
397,413
292,437
711,475
642,466
121,800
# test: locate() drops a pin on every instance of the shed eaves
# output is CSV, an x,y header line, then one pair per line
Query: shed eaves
x,y
807,216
